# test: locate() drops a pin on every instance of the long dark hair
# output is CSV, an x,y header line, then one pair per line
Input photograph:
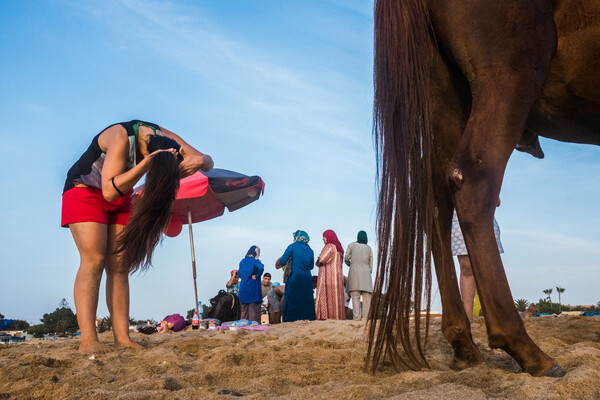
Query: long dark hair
x,y
402,110
151,213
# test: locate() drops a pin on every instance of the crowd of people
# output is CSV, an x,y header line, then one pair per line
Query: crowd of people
x,y
295,299
115,236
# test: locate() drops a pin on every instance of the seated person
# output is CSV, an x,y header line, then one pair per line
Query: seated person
x,y
275,297
233,285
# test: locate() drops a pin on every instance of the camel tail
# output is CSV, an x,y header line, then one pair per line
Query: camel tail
x,y
404,150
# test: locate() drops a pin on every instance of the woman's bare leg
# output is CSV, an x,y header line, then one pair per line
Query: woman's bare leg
x,y
117,290
467,285
90,238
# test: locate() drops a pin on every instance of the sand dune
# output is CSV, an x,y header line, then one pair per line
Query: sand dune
x,y
301,360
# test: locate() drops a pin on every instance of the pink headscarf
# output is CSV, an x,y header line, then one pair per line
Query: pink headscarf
x,y
332,238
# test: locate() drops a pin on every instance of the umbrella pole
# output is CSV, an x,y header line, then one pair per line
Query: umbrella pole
x,y
193,255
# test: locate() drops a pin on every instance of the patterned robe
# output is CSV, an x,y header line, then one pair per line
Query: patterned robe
x,y
330,302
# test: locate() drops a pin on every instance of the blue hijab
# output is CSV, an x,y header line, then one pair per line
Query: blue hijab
x,y
252,252
301,235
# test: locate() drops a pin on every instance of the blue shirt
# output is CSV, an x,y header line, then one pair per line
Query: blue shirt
x,y
250,291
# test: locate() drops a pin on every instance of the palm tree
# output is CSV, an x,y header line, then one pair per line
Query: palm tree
x,y
559,290
521,304
548,292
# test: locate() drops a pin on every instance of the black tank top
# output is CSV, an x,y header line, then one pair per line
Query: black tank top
x,y
88,169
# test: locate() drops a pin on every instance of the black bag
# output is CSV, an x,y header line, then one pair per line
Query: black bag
x,y
225,307
288,270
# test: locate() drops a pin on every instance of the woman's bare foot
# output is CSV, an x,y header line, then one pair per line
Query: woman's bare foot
x,y
128,343
94,347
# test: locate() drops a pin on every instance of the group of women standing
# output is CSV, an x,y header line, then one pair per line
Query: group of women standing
x,y
298,261
330,302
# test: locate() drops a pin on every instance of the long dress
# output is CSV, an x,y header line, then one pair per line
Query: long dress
x,y
298,293
330,302
250,289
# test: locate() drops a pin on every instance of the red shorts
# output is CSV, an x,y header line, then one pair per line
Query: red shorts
x,y
87,204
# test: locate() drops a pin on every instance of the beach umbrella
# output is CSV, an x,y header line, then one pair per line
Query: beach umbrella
x,y
205,195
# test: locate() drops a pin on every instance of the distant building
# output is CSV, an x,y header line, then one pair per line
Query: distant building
x,y
11,339
18,334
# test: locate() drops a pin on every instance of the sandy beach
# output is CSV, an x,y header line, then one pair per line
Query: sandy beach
x,y
299,360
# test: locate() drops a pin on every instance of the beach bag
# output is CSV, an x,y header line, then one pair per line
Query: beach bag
x,y
147,328
225,307
287,268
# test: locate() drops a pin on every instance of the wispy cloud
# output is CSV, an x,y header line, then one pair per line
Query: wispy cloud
x,y
243,70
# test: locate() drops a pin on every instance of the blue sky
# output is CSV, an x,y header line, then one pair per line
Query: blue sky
x,y
277,89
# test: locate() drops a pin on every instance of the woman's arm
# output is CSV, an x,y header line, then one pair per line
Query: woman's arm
x,y
259,268
286,256
116,144
326,255
193,160
279,290
348,257
229,283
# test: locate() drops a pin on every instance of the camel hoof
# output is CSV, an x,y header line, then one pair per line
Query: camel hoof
x,y
556,371
459,365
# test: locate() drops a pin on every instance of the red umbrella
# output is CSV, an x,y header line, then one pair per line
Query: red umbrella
x,y
205,195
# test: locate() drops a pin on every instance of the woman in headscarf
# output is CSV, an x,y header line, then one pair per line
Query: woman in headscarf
x,y
330,302
250,293
359,257
298,295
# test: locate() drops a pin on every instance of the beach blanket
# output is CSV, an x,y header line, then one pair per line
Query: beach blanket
x,y
589,314
246,328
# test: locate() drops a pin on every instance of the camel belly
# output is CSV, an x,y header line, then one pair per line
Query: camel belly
x,y
569,105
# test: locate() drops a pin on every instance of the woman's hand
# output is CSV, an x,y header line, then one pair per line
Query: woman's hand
x,y
193,160
172,151
192,163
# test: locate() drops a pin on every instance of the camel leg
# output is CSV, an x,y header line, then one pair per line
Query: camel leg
x,y
505,74
455,323
450,118
476,174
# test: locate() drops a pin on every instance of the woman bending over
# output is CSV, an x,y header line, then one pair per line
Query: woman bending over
x,y
96,206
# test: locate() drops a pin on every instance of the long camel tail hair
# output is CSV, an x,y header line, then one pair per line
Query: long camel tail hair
x,y
404,150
